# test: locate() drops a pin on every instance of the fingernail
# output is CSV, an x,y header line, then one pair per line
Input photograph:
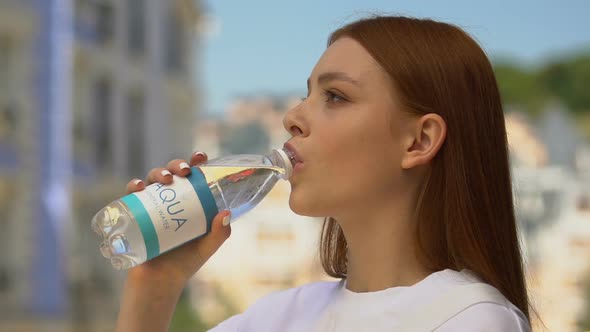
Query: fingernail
x,y
200,154
165,172
184,165
226,220
137,182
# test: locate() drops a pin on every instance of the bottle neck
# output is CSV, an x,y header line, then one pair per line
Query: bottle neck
x,y
281,158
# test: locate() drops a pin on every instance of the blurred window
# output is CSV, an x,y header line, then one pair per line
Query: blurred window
x,y
8,122
103,114
7,203
275,238
136,136
4,279
105,22
174,39
5,65
8,112
136,19
583,204
263,280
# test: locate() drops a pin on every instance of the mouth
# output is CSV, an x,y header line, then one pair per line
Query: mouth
x,y
293,154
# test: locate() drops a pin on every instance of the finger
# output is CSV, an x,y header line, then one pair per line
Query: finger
x,y
221,222
198,158
160,174
179,167
134,185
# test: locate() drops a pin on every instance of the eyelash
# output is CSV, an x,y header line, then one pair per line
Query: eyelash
x,y
329,95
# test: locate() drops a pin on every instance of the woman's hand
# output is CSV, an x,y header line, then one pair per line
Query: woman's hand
x,y
152,288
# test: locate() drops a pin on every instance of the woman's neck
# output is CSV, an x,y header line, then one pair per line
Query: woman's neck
x,y
382,249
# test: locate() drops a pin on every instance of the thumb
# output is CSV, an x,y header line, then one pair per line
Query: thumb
x,y
220,228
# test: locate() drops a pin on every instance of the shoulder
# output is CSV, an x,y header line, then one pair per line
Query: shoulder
x,y
482,307
292,303
312,292
487,316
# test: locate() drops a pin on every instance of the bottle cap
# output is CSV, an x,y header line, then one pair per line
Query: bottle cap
x,y
286,163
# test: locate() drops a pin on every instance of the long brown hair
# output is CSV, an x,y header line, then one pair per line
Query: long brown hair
x,y
465,215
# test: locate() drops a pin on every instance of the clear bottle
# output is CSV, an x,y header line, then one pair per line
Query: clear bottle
x,y
145,224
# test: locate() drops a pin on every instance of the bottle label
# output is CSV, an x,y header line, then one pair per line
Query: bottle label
x,y
170,215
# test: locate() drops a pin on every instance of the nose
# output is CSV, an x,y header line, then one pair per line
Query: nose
x,y
295,122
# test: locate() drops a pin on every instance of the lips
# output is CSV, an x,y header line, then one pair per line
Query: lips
x,y
293,153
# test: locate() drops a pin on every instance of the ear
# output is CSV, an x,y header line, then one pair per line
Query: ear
x,y
424,140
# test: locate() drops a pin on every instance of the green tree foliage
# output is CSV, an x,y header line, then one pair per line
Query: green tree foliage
x,y
584,318
567,80
185,318
247,138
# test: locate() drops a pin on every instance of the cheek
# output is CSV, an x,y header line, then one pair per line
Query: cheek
x,y
317,192
359,180
343,183
349,166
367,167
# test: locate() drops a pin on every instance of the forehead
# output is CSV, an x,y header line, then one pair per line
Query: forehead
x,y
348,56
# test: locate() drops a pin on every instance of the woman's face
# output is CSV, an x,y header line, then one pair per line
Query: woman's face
x,y
348,134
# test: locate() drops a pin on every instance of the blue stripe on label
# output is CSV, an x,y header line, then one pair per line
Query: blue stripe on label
x,y
201,187
150,237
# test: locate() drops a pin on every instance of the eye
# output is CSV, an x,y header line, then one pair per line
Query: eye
x,y
332,97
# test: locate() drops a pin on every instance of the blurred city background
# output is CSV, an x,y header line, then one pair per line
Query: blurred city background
x,y
96,92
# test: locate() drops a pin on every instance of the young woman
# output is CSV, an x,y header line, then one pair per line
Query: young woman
x,y
401,143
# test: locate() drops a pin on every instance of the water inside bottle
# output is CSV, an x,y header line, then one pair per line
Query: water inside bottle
x,y
240,187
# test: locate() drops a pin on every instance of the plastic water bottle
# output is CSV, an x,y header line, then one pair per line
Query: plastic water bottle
x,y
145,224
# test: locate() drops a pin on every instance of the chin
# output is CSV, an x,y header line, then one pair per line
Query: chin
x,y
306,205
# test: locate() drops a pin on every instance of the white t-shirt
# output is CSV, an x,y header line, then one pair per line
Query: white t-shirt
x,y
329,306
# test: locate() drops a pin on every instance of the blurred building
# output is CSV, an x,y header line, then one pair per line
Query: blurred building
x,y
250,125
552,195
273,249
564,246
559,133
551,184
17,37
526,148
270,248
132,106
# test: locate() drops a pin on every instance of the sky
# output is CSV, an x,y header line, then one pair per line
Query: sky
x,y
269,47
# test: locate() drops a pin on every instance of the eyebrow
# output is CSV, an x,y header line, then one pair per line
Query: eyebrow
x,y
333,76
